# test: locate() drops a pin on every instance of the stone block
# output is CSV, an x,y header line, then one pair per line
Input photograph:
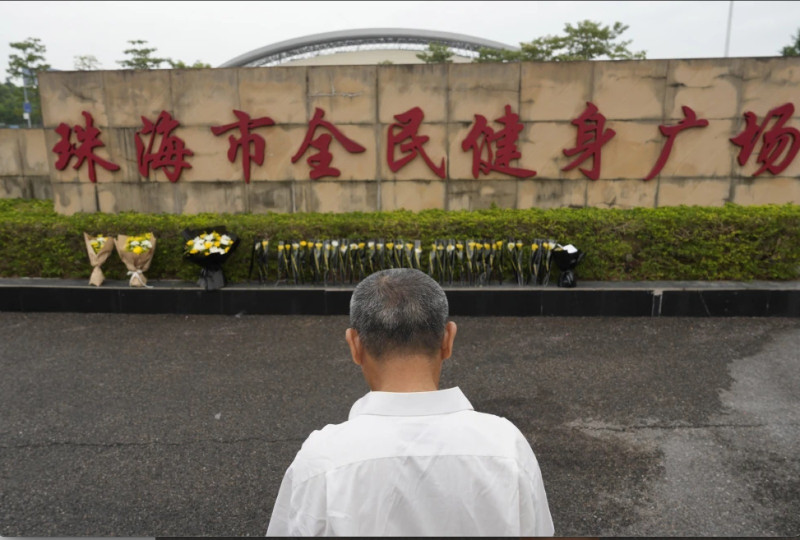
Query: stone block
x,y
357,166
403,87
65,95
551,193
10,153
210,160
269,197
347,94
768,190
770,83
417,168
150,198
710,87
70,174
325,196
555,91
542,147
204,97
462,162
15,187
621,194
483,89
131,94
281,144
630,154
630,90
700,152
217,197
479,195
414,196
33,152
276,92
693,192
69,198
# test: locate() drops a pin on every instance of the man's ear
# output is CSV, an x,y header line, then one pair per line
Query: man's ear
x,y
356,347
450,330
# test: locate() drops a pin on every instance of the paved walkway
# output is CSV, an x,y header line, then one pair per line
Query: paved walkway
x,y
144,425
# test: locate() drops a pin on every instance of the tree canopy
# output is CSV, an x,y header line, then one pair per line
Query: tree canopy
x,y
587,40
140,56
436,53
794,48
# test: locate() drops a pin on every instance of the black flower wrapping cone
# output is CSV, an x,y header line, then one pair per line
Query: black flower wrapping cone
x,y
211,274
566,263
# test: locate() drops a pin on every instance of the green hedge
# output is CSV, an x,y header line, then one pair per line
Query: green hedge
x,y
674,243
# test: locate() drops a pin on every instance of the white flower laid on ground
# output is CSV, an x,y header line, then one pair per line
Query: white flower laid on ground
x,y
209,243
209,248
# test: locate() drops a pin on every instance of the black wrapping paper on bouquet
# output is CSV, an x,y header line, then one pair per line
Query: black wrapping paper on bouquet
x,y
567,261
209,259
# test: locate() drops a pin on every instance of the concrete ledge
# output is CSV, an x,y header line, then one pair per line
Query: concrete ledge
x,y
602,299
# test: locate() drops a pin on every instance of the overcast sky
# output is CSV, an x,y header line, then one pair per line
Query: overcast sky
x,y
215,32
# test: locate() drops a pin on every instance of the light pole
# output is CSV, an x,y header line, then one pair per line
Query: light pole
x,y
26,106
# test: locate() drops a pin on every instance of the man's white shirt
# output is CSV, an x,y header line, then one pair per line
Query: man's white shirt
x,y
414,464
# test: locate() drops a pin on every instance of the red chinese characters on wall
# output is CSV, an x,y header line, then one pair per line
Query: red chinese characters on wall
x,y
493,150
88,138
589,141
249,153
404,133
776,141
320,162
689,121
171,152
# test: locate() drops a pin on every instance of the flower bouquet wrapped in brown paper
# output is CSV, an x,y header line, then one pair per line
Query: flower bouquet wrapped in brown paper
x,y
137,253
99,248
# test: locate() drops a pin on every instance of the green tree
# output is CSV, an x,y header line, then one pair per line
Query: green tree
x,y
140,56
180,64
86,62
588,40
794,48
10,104
24,65
437,53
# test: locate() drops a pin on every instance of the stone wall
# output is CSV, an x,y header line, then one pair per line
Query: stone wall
x,y
634,97
24,169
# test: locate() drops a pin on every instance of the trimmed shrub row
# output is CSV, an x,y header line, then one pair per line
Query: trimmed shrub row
x,y
672,243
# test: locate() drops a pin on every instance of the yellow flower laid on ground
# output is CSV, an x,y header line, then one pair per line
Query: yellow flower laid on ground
x,y
97,242
208,243
139,244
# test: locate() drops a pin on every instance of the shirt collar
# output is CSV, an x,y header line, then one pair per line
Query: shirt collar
x,y
411,403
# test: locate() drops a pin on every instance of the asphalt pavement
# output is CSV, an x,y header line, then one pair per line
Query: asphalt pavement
x,y
183,425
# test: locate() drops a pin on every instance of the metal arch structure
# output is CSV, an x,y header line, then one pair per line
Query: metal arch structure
x,y
364,39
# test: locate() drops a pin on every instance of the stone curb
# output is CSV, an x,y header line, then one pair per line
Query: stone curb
x,y
600,299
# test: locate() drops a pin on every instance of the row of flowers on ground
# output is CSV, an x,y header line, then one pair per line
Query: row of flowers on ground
x,y
341,261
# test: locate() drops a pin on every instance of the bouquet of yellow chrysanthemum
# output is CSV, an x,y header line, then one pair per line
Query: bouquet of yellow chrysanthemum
x,y
209,248
137,253
98,248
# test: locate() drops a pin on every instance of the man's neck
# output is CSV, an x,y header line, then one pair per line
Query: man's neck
x,y
405,374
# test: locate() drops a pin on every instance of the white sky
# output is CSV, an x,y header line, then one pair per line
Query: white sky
x,y
215,32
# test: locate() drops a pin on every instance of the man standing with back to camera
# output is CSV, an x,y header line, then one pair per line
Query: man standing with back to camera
x,y
411,460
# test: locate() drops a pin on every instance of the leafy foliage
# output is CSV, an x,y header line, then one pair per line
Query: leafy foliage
x,y
794,48
140,56
24,66
86,62
588,40
437,53
180,64
10,104
671,243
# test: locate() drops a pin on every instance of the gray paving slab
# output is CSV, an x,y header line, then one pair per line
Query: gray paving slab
x,y
145,425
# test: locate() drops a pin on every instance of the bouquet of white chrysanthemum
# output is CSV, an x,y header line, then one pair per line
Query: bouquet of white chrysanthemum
x,y
209,249
137,253
98,248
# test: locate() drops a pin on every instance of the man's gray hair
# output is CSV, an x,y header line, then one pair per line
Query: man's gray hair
x,y
399,309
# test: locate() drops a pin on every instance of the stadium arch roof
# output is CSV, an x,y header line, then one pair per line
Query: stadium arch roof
x,y
328,43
